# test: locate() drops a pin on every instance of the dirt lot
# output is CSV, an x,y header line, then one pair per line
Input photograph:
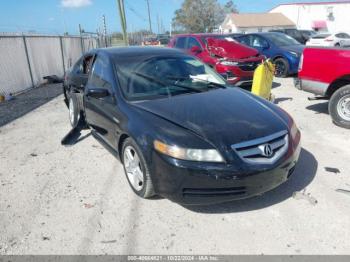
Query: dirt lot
x,y
76,200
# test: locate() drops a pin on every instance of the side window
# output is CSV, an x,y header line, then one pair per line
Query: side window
x,y
78,67
345,35
245,40
258,42
99,77
87,64
192,42
180,43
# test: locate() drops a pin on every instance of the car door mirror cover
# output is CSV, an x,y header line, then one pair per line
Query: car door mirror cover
x,y
98,92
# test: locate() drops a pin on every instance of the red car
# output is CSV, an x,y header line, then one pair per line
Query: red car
x,y
325,72
150,41
235,61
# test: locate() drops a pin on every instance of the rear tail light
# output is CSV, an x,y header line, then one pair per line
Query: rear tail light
x,y
329,39
301,61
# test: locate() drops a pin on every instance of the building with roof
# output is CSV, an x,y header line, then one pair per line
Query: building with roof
x,y
258,22
332,16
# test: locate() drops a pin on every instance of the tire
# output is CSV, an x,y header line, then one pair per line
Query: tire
x,y
337,45
281,67
66,101
138,174
339,107
74,112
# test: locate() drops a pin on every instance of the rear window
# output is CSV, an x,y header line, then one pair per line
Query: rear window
x,y
321,36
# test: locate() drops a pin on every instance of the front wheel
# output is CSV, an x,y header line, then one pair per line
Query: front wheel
x,y
281,67
339,107
136,169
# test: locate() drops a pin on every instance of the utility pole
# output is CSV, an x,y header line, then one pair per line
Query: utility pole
x,y
123,20
81,39
149,17
105,29
158,24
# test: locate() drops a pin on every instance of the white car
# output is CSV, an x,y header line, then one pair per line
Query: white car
x,y
327,39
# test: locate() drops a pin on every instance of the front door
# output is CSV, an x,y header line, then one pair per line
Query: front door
x,y
100,111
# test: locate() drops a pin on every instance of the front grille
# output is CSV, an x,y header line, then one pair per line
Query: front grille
x,y
248,66
264,150
213,192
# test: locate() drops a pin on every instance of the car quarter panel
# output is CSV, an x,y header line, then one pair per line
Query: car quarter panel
x,y
321,67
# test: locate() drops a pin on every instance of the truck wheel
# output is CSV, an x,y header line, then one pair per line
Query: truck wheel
x,y
339,107
281,67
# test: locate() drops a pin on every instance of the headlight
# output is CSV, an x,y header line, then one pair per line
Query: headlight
x,y
294,130
294,54
229,63
205,155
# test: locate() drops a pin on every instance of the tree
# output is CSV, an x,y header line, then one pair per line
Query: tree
x,y
198,16
230,7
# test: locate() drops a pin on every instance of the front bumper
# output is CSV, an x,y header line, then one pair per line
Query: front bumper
x,y
191,183
235,75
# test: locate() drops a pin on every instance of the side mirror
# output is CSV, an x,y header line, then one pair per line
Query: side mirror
x,y
97,93
195,49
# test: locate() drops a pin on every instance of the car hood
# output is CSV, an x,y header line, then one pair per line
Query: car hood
x,y
221,117
294,48
230,49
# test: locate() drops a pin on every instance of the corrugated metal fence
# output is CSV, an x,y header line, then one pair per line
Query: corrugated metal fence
x,y
25,60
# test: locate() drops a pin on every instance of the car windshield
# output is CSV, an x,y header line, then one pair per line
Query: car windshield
x,y
221,37
159,77
280,39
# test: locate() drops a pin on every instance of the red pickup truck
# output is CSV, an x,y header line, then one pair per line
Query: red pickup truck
x,y
325,72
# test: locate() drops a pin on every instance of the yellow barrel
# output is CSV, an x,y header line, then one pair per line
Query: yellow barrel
x,y
263,78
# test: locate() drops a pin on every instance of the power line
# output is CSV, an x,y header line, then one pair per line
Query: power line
x,y
132,9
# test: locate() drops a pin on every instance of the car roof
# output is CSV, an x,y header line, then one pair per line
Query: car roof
x,y
198,34
136,51
265,33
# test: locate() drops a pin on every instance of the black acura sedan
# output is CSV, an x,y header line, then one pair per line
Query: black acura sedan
x,y
179,130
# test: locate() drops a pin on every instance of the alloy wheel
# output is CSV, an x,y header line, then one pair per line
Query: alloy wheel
x,y
71,111
280,68
133,168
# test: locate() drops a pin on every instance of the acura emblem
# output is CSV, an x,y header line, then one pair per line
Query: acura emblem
x,y
267,150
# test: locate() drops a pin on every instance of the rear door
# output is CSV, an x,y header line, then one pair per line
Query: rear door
x,y
102,113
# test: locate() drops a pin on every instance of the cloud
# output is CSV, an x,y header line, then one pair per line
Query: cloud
x,y
75,3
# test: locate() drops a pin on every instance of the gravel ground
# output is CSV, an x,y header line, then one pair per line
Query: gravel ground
x,y
76,200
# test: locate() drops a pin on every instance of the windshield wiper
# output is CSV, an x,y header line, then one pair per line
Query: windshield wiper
x,y
210,83
155,80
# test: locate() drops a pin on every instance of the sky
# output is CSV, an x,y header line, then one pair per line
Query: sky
x,y
59,16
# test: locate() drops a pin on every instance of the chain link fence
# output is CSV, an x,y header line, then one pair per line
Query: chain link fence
x,y
26,59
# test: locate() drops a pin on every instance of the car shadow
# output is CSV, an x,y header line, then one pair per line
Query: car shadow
x,y
319,108
275,85
304,173
282,99
27,102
